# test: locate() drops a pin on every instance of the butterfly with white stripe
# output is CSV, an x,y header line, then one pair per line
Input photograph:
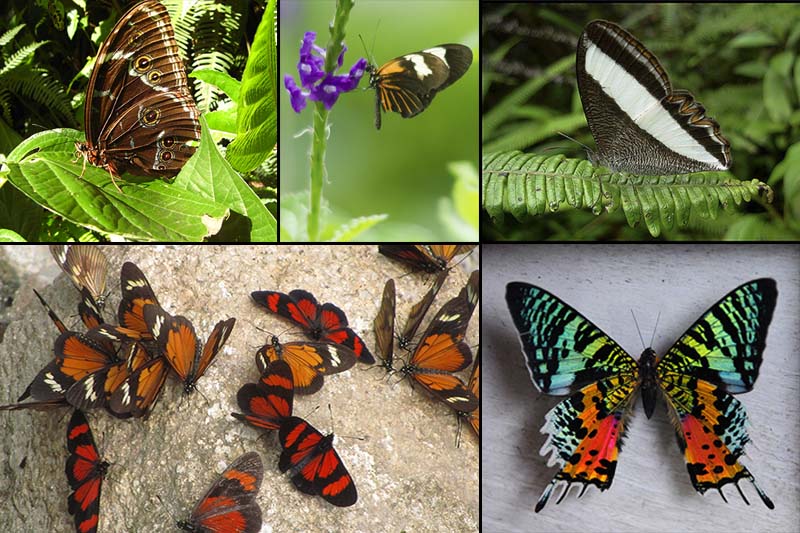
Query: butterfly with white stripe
x,y
639,122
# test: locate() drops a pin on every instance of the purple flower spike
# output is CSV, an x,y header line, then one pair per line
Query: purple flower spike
x,y
317,84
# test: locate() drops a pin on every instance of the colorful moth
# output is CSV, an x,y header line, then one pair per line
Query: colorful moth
x,y
719,355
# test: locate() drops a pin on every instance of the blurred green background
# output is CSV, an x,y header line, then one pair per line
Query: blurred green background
x,y
739,60
402,169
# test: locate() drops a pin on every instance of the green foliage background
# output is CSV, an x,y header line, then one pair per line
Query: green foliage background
x,y
740,61
401,170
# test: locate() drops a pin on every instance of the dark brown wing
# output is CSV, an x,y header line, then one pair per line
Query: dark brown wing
x,y
139,110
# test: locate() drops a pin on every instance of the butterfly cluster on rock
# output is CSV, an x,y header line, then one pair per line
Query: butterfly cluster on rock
x,y
121,367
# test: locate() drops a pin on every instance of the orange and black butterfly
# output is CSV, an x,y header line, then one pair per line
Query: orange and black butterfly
x,y
136,293
383,326
430,258
230,506
85,472
473,417
86,266
442,351
178,343
314,465
407,84
309,361
139,392
268,403
324,322
83,372
419,311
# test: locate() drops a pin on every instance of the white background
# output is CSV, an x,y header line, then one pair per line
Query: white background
x,y
651,490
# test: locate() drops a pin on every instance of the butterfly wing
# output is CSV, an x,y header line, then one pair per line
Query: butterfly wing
x,y
565,353
442,351
472,291
77,357
85,471
86,266
299,306
140,112
309,361
268,403
418,312
314,465
138,393
219,335
319,322
720,354
136,293
230,506
415,255
383,326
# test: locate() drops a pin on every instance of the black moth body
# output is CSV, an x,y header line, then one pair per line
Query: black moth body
x,y
407,84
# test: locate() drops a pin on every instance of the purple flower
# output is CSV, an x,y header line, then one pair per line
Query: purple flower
x,y
317,84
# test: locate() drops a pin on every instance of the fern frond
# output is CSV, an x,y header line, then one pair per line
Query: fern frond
x,y
526,185
39,86
8,36
19,57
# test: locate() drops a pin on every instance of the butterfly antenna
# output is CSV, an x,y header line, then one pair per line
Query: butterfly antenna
x,y
330,412
166,510
654,329
638,330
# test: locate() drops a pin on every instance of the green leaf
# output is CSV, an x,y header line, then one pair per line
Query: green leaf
x,y
41,168
254,221
353,228
777,87
221,80
6,235
257,118
752,39
519,96
222,120
191,208
526,185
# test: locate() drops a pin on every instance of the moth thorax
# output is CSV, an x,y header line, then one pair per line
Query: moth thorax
x,y
647,378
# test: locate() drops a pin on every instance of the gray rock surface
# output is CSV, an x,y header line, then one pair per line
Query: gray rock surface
x,y
409,474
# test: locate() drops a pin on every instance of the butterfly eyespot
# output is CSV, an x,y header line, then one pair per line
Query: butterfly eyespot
x,y
135,39
149,116
154,76
162,167
166,156
167,141
142,63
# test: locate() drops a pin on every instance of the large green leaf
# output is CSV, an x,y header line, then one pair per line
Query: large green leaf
x,y
257,117
526,185
191,208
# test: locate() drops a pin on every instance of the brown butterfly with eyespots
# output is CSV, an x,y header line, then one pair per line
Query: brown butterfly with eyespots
x,y
140,117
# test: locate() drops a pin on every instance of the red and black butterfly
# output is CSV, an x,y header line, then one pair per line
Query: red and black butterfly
x,y
268,403
178,343
85,471
442,351
419,311
86,266
473,417
313,464
429,258
319,322
230,504
309,361
383,326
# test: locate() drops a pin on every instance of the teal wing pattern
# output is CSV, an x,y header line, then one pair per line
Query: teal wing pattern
x,y
565,353
720,354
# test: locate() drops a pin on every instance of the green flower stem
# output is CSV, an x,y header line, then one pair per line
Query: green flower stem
x,y
319,139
